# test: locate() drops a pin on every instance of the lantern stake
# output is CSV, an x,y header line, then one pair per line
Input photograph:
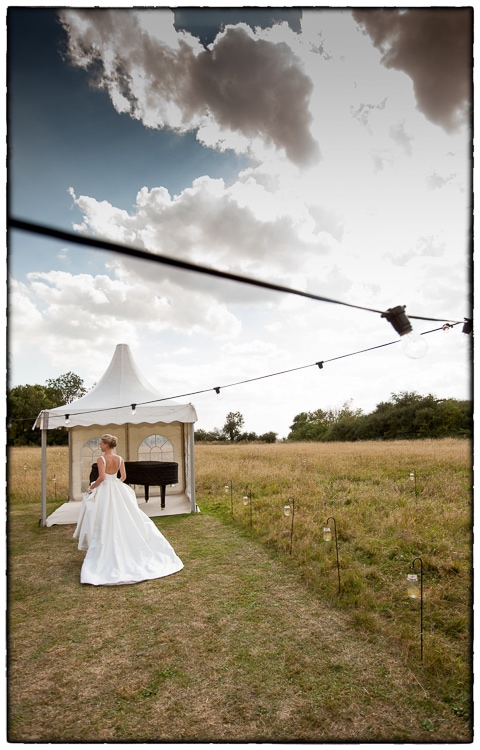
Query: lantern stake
x,y
327,537
413,477
229,486
286,512
247,500
415,596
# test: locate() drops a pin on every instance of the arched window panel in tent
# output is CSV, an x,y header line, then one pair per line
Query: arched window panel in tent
x,y
156,448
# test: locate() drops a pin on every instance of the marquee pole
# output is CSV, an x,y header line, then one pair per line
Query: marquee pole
x,y
43,520
191,468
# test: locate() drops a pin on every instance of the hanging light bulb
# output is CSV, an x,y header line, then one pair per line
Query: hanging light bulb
x,y
67,418
134,409
413,344
217,391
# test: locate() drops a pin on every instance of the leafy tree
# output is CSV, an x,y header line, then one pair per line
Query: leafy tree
x,y
25,402
268,437
69,387
202,436
455,418
246,437
311,425
233,425
320,424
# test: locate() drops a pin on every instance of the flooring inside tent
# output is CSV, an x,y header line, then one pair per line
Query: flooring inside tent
x,y
174,505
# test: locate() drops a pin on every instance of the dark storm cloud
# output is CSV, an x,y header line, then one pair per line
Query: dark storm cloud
x,y
434,47
258,88
244,84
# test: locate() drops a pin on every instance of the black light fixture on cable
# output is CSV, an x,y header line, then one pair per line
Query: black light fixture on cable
x,y
217,391
413,344
67,419
134,409
319,365
465,342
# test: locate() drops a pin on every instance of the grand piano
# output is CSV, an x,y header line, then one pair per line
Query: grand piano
x,y
148,474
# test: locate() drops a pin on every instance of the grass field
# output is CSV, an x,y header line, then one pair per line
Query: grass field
x,y
253,641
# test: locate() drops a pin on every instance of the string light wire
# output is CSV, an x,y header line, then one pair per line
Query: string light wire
x,y
217,389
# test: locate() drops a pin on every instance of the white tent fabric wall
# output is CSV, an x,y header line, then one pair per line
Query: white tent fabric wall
x,y
125,404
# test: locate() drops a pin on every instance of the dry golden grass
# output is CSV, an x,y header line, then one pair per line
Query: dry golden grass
x,y
250,642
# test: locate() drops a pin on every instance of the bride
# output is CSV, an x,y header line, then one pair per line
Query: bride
x,y
123,544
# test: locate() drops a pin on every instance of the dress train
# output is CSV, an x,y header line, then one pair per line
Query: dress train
x,y
123,544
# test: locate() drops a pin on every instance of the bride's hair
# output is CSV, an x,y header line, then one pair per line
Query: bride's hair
x,y
110,440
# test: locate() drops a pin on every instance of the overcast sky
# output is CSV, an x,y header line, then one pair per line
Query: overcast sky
x,y
326,150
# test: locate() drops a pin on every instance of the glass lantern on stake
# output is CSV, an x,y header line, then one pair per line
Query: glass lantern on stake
x,y
413,586
413,478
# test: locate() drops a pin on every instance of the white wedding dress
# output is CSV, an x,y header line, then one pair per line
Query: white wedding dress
x,y
123,544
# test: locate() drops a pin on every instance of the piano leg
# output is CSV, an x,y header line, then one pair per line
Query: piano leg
x,y
162,489
146,493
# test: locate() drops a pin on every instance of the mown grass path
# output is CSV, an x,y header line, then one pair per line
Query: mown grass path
x,y
233,648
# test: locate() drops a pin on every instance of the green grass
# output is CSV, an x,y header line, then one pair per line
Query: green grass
x,y
250,642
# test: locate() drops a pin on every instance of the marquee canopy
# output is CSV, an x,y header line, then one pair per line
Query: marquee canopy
x,y
121,396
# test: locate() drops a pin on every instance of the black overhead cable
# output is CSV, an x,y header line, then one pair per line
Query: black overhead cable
x,y
184,265
134,252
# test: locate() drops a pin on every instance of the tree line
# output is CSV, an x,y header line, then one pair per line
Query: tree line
x,y
405,416
232,432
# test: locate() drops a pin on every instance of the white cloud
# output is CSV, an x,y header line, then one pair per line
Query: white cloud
x,y
245,229
25,317
94,311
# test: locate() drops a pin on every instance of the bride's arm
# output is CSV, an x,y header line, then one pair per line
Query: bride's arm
x,y
101,474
